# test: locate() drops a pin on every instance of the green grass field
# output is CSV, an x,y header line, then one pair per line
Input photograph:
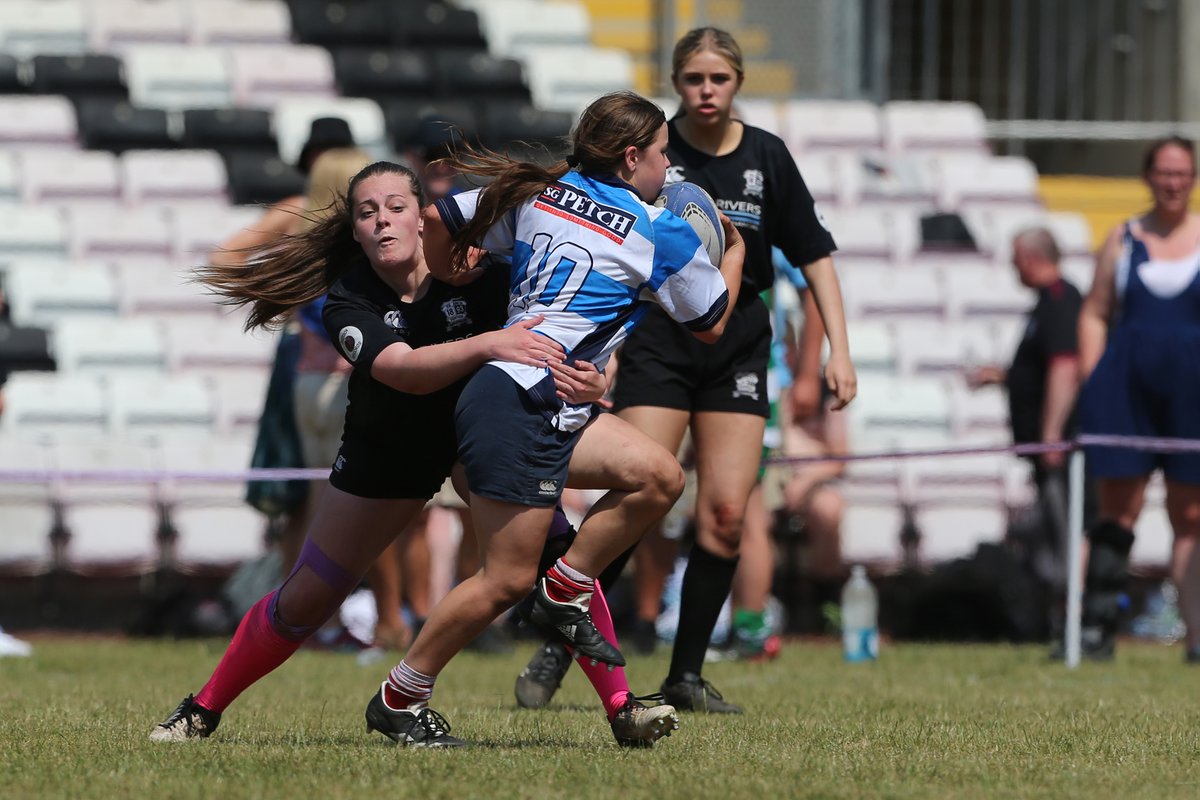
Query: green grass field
x,y
925,721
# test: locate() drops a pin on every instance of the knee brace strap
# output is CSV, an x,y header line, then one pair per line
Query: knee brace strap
x,y
1108,563
325,568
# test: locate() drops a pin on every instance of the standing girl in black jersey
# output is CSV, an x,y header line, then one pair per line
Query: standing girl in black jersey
x,y
412,341
668,381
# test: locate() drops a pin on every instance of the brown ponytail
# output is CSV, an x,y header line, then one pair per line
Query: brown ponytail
x,y
610,124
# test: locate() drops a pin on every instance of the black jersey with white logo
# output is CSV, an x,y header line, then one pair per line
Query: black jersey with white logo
x,y
760,189
364,315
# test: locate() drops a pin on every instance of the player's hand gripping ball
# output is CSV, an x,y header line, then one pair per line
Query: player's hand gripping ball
x,y
692,204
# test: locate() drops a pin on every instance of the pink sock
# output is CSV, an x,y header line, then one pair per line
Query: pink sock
x,y
610,686
256,649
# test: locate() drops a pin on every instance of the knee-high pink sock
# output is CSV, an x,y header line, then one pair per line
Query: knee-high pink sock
x,y
257,648
610,686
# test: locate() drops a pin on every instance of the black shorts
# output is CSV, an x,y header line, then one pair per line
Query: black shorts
x,y
664,365
392,469
510,449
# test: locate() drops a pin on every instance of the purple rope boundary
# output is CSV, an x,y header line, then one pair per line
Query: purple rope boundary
x,y
1150,443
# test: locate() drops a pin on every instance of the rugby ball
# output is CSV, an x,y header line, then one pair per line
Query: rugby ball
x,y
693,205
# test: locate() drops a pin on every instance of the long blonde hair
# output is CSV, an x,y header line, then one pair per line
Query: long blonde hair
x,y
327,181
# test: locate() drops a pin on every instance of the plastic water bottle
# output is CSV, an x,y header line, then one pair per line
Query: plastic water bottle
x,y
860,614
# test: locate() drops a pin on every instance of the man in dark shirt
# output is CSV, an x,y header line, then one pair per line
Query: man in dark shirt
x,y
1043,381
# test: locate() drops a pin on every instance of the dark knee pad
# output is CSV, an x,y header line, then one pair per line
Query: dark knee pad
x,y
558,541
1107,572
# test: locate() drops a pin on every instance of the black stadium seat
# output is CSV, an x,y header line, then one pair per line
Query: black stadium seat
x,y
504,123
436,25
380,73
78,77
407,119
255,178
10,75
115,125
226,129
351,22
473,75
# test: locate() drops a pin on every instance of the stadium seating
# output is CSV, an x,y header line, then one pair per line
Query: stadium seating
x,y
43,294
37,120
33,27
139,134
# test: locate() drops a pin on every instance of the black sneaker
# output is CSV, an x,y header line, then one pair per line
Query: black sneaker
x,y
693,693
424,728
571,624
188,721
542,676
1191,655
639,725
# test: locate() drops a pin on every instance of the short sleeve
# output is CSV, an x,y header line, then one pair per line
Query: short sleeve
x,y
1059,322
357,330
459,209
683,281
797,227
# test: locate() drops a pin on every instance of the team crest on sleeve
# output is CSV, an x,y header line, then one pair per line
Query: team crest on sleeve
x,y
754,182
351,340
395,320
820,217
455,311
675,175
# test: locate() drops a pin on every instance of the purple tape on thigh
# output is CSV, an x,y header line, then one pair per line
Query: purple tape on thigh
x,y
313,557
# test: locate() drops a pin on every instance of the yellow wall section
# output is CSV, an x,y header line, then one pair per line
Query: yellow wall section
x,y
1106,202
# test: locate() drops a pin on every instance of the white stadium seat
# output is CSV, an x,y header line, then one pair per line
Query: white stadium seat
x,y
157,289
54,404
933,126
43,27
873,291
815,124
117,25
88,176
178,77
239,22
517,27
10,184
102,233
263,75
147,407
44,294
128,344
32,234
174,175
216,342
38,121
293,120
569,78
985,293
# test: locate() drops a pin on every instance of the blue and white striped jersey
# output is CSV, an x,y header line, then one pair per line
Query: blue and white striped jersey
x,y
590,256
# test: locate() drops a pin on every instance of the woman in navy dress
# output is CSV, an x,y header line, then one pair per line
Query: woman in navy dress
x,y
1139,347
